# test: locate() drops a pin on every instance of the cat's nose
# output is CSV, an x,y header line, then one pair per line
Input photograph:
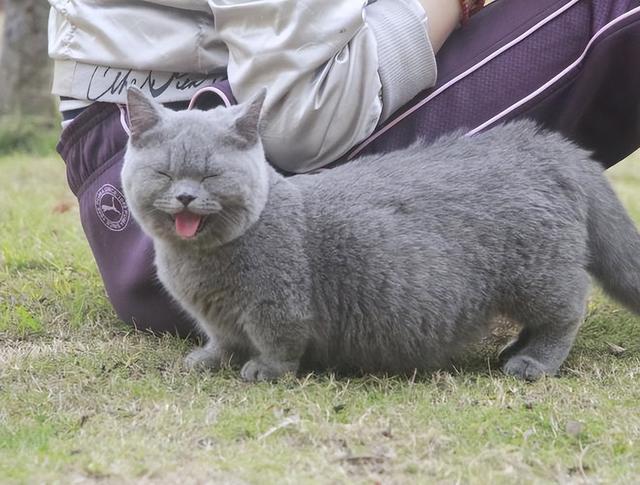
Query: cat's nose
x,y
185,199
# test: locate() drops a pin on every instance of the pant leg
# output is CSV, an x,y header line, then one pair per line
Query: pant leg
x,y
569,64
93,148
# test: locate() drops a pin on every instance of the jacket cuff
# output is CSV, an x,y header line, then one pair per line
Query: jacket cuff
x,y
406,61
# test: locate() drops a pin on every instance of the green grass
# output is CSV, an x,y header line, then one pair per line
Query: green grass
x,y
28,134
82,398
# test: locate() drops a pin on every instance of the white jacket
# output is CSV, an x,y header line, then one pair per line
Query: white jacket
x,y
334,69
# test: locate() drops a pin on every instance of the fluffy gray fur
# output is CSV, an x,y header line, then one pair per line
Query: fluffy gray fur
x,y
389,263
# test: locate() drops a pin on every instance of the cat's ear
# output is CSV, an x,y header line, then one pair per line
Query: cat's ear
x,y
144,113
247,124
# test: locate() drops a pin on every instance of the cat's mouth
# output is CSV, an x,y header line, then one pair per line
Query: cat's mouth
x,y
188,224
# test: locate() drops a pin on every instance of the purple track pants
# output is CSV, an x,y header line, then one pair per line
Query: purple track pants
x,y
573,65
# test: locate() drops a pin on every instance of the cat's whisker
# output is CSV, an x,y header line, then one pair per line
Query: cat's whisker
x,y
224,218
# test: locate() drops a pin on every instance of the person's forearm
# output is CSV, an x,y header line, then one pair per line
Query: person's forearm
x,y
444,17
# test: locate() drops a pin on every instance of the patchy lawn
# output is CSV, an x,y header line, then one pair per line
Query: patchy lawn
x,y
84,399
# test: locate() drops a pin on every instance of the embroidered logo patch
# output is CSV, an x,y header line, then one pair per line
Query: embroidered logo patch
x,y
111,208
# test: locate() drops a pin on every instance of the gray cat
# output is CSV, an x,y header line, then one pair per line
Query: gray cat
x,y
388,263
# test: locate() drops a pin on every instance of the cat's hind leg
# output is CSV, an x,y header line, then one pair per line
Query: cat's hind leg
x,y
551,317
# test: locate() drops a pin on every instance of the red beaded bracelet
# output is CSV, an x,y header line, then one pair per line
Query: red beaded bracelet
x,y
469,7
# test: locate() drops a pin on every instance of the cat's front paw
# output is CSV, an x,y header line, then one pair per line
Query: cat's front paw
x,y
525,367
203,358
260,370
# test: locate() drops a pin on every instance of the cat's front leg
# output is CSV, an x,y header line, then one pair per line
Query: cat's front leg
x,y
210,357
220,351
203,358
280,342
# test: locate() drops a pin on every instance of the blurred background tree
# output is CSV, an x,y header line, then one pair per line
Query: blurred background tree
x,y
27,109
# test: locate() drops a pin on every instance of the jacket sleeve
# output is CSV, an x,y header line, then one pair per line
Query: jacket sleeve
x,y
158,35
333,70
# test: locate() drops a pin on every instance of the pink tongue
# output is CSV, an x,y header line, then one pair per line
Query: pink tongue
x,y
187,224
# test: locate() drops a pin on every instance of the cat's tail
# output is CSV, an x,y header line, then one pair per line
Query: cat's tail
x,y
614,246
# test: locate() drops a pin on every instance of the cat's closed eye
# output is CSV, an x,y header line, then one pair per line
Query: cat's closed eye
x,y
210,176
164,174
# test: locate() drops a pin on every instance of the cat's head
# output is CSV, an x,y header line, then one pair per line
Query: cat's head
x,y
196,177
